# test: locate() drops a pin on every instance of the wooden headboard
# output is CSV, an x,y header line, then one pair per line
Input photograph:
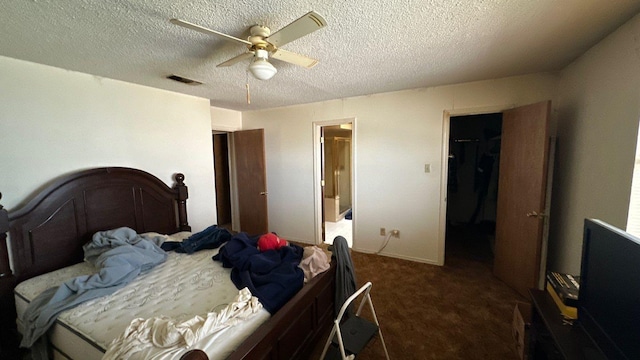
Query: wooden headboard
x,y
48,231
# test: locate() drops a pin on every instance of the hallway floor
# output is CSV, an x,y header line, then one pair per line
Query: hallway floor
x,y
342,227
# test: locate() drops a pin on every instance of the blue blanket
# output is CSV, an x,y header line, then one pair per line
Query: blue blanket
x,y
120,255
272,276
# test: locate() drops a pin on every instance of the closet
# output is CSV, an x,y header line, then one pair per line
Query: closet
x,y
472,187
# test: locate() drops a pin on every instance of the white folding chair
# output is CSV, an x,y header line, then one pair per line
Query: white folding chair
x,y
352,335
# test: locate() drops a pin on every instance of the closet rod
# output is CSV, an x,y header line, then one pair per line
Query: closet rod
x,y
465,140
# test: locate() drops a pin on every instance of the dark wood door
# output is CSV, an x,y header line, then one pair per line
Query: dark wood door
x,y
522,188
251,181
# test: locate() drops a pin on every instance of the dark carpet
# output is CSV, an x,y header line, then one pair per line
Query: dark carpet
x,y
456,311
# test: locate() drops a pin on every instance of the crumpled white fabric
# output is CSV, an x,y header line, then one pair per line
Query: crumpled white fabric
x,y
163,332
314,261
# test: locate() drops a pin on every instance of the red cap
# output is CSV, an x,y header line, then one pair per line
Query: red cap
x,y
270,241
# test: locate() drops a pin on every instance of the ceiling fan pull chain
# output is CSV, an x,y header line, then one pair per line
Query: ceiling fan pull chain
x,y
248,94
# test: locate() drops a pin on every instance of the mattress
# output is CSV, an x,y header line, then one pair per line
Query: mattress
x,y
183,286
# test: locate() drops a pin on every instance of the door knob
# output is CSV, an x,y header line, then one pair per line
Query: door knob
x,y
263,193
536,215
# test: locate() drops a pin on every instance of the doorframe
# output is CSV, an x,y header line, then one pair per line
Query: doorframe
x,y
446,121
317,176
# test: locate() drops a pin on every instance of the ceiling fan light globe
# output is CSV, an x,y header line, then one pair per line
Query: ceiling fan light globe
x,y
261,69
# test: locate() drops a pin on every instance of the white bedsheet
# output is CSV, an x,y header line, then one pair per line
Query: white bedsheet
x,y
161,337
179,289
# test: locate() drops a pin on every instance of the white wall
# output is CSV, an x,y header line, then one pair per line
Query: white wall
x,y
54,121
599,109
225,119
395,135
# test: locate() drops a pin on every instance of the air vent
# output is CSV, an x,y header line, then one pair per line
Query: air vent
x,y
183,80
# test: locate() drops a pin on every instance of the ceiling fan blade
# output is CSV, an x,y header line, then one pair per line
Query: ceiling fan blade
x,y
236,59
294,58
204,30
305,25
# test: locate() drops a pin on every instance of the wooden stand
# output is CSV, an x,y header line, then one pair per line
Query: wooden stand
x,y
550,337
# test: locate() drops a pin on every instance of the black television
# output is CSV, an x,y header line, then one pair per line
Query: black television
x,y
609,299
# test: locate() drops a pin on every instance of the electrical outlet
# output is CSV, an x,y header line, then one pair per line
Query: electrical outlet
x,y
395,233
383,232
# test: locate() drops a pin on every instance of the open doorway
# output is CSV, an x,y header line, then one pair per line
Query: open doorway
x,y
525,169
337,200
334,148
221,161
472,186
240,179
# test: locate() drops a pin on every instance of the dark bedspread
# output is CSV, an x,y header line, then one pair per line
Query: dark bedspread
x,y
272,276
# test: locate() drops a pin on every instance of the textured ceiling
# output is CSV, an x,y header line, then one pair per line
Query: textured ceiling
x,y
368,46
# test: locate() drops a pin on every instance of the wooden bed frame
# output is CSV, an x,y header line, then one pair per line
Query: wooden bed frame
x,y
48,231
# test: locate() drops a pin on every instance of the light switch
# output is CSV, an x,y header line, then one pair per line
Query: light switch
x,y
427,168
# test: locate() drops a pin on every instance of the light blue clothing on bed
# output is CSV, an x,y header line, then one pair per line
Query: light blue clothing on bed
x,y
119,255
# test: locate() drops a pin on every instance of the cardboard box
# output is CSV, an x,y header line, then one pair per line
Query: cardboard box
x,y
520,328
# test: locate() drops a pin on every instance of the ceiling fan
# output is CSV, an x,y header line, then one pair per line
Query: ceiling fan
x,y
262,44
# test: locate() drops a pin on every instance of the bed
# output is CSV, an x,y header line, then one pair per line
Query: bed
x,y
64,215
